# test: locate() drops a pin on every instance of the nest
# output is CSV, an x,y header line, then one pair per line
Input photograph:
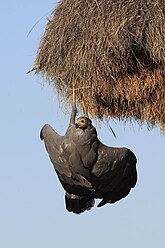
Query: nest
x,y
113,52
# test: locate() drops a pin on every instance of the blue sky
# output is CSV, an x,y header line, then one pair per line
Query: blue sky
x,y
32,211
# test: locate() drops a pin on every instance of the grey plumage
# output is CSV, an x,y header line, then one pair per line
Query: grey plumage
x,y
86,168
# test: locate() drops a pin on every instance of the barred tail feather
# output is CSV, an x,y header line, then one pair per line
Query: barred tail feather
x,y
78,204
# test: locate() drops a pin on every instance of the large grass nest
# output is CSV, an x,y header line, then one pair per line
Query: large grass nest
x,y
113,51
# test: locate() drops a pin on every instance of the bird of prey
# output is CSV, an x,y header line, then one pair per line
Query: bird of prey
x,y
86,168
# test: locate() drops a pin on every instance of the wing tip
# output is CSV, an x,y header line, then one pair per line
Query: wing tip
x,y
41,134
42,131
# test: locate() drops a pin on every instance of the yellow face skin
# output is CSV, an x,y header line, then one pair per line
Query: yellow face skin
x,y
83,122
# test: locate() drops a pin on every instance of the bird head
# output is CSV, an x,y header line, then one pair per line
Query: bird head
x,y
83,122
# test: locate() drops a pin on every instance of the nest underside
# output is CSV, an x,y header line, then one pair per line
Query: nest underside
x,y
113,52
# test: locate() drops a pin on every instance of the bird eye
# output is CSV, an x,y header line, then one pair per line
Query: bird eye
x,y
82,121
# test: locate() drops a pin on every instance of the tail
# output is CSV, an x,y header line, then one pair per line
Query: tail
x,y
78,204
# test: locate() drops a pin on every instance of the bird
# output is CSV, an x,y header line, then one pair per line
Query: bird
x,y
87,169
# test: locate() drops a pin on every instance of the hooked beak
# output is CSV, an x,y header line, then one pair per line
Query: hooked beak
x,y
77,126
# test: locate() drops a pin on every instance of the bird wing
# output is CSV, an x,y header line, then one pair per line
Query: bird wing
x,y
54,146
114,173
59,150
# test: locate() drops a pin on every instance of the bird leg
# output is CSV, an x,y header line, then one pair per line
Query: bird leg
x,y
84,107
74,109
73,113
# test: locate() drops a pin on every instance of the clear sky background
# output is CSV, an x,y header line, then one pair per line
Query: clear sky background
x,y
32,211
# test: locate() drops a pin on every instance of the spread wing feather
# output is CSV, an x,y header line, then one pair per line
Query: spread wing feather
x,y
54,144
59,150
114,173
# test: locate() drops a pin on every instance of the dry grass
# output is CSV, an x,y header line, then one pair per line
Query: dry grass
x,y
113,51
